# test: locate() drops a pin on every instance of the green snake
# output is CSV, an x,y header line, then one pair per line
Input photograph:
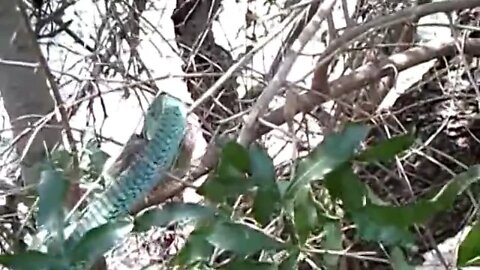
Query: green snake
x,y
162,136
164,129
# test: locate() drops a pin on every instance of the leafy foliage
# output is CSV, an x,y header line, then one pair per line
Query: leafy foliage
x,y
99,240
52,192
233,230
469,251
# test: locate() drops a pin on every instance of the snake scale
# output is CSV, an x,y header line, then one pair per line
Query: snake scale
x,y
159,151
164,128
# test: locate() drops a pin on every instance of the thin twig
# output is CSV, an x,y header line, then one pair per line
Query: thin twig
x,y
352,82
248,130
229,73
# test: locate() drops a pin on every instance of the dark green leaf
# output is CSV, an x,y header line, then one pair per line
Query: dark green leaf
x,y
343,184
93,158
195,249
389,223
52,190
370,229
469,250
218,191
265,205
335,150
249,264
240,238
305,214
447,195
229,178
267,199
172,213
31,260
333,241
387,149
237,155
100,240
262,169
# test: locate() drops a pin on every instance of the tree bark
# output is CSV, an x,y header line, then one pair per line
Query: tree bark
x,y
24,91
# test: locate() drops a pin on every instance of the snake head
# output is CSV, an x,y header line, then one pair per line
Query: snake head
x,y
164,109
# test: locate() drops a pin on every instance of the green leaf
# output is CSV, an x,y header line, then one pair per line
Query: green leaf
x,y
172,213
371,229
262,169
196,249
240,238
52,190
236,155
239,264
218,191
31,260
447,195
335,150
398,260
333,241
229,178
305,214
389,224
267,198
387,149
343,184
469,250
100,240
96,158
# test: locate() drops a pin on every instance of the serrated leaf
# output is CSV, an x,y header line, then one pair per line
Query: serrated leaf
x,y
267,198
333,241
196,248
469,250
335,150
31,260
387,149
52,190
100,240
172,213
305,214
249,264
240,238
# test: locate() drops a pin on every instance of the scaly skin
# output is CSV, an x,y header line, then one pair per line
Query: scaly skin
x,y
155,152
164,129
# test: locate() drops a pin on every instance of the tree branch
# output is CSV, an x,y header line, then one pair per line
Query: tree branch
x,y
248,130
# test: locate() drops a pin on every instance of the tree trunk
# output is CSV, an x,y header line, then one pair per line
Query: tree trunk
x,y
24,91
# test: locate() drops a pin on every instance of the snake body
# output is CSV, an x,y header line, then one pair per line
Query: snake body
x,y
164,129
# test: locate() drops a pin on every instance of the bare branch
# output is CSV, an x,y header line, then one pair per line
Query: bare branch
x,y
248,130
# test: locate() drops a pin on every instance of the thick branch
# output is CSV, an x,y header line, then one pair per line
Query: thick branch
x,y
345,85
370,73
